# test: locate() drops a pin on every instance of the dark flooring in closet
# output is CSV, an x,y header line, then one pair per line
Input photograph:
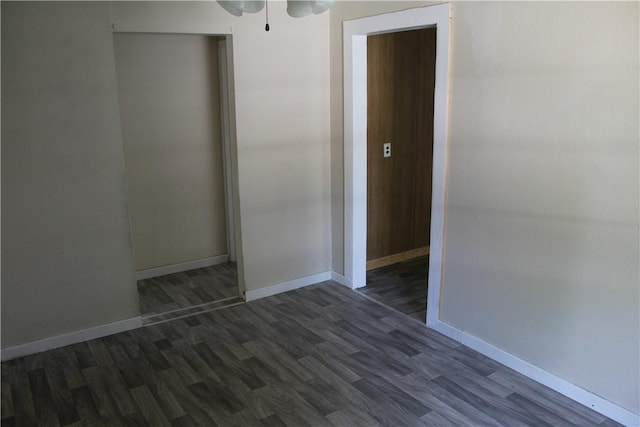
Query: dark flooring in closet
x,y
188,292
401,286
317,356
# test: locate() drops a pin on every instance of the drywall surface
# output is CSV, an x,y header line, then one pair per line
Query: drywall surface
x,y
282,118
66,259
541,238
170,112
542,217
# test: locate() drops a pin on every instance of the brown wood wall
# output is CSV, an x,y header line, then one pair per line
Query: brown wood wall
x,y
401,78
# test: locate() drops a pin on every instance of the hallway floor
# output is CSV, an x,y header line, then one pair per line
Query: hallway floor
x,y
401,286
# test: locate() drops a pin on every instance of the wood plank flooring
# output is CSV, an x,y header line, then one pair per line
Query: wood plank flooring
x,y
402,286
195,290
319,356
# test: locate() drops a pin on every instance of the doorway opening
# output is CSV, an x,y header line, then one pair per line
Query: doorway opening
x,y
400,85
179,163
356,33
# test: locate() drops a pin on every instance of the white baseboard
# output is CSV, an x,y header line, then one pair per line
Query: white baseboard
x,y
548,379
339,278
72,338
287,286
183,266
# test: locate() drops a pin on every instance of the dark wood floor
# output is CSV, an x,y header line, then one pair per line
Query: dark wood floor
x,y
402,286
188,292
318,356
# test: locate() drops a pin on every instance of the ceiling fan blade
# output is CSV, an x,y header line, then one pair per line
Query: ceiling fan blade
x,y
298,8
237,7
253,6
231,6
319,6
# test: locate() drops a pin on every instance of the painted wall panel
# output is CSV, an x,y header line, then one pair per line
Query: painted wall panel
x,y
542,220
66,261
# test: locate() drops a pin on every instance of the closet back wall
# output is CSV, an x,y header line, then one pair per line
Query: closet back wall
x,y
168,92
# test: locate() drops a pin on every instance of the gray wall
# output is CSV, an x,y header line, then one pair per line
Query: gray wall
x,y
170,110
66,258
541,239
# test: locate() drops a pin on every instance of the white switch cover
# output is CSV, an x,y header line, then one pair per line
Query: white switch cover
x,y
386,149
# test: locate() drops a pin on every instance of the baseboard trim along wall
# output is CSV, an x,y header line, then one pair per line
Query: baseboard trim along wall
x,y
548,379
287,286
183,266
71,338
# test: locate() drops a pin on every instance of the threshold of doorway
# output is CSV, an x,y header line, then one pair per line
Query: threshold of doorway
x,y
399,257
191,311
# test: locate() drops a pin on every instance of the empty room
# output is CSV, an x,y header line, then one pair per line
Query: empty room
x,y
198,227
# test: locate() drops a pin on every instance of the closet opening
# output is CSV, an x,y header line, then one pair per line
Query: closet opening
x,y
174,98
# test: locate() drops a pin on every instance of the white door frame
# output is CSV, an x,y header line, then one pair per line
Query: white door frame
x,y
355,139
226,148
230,157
